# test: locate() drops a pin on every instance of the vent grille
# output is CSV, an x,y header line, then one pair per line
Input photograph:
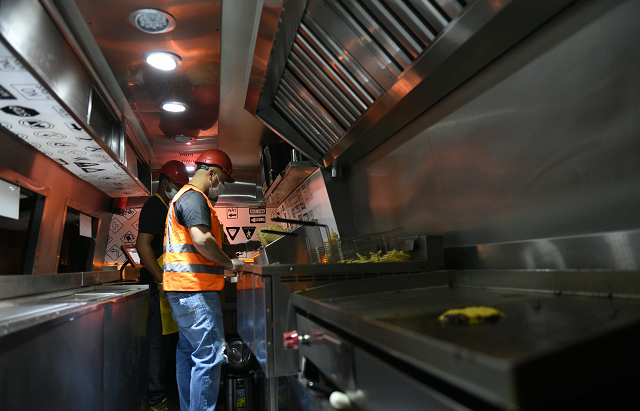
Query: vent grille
x,y
169,85
347,54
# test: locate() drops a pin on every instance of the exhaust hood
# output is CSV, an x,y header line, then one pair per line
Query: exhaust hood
x,y
335,78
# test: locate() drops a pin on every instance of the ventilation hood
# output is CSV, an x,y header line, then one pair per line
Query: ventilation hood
x,y
335,78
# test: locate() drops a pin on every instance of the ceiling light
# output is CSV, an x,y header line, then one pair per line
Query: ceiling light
x,y
181,138
174,106
163,60
190,168
152,21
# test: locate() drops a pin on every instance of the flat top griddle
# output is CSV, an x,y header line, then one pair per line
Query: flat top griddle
x,y
534,323
548,334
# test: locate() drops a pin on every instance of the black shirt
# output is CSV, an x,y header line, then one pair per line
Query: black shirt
x,y
152,219
192,208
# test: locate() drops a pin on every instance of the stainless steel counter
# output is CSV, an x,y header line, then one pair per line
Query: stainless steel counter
x,y
80,349
264,311
20,313
565,333
348,271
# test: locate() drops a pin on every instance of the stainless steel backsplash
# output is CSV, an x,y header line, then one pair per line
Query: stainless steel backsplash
x,y
543,143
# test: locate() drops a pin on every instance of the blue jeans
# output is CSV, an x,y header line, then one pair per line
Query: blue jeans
x,y
200,352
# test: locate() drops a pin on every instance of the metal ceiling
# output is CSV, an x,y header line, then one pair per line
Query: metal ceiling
x,y
207,81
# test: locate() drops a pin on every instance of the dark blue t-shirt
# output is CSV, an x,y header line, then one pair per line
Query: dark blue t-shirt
x,y
192,208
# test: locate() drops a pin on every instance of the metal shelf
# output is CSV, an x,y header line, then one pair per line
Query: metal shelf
x,y
295,173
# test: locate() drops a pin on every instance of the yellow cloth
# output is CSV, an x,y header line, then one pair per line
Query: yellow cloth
x,y
169,325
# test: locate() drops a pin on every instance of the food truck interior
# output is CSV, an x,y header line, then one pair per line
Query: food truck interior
x,y
394,160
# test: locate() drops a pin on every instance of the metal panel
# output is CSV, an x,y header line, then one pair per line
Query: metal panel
x,y
616,250
430,14
477,37
285,36
541,144
72,355
299,120
395,27
332,354
381,35
411,20
322,15
451,7
266,36
339,57
378,394
291,84
43,175
333,67
341,99
279,125
328,136
532,357
65,361
320,92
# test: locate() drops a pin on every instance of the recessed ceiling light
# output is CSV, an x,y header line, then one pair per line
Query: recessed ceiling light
x,y
163,60
190,168
181,138
152,21
174,106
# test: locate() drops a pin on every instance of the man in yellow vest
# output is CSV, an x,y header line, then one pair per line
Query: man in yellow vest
x,y
173,175
193,275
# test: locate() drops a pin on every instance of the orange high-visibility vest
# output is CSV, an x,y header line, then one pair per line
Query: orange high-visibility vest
x,y
185,269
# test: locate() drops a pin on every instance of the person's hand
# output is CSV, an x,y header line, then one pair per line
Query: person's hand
x,y
237,263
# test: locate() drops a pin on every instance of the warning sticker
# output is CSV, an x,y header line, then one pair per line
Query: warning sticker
x,y
20,111
114,252
248,232
128,238
5,95
32,91
37,124
232,232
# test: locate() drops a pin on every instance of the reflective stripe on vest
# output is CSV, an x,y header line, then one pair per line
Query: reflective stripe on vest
x,y
185,268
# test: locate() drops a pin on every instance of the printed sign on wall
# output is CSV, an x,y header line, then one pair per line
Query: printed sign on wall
x,y
122,230
237,220
310,201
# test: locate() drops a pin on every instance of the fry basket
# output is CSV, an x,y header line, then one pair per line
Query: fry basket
x,y
370,248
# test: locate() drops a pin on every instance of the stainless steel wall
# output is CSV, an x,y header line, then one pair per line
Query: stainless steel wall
x,y
544,142
62,189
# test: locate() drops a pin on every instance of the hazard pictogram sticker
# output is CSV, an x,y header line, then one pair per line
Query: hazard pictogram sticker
x,y
232,232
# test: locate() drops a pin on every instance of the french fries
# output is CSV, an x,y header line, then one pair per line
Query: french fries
x,y
391,256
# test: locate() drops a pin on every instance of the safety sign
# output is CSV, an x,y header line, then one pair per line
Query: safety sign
x,y
128,238
20,111
5,95
257,220
37,124
232,232
248,232
257,211
232,212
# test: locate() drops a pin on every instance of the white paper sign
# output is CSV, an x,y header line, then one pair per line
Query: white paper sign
x,y
85,225
9,200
